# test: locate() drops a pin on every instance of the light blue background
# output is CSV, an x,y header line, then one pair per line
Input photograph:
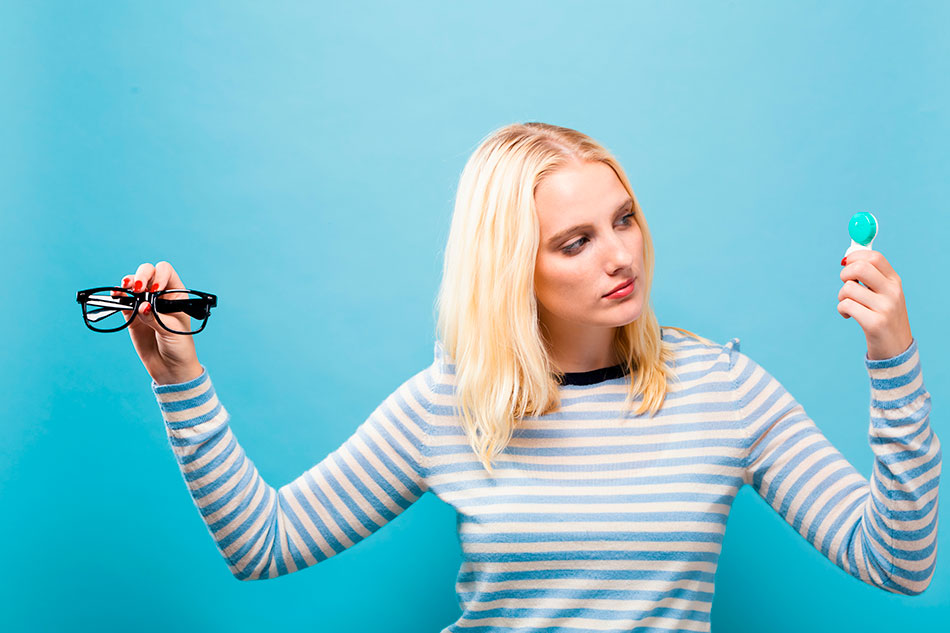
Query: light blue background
x,y
300,160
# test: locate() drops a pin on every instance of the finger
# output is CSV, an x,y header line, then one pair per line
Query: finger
x,y
142,335
126,282
865,271
160,278
865,296
141,319
877,259
166,278
145,318
142,332
880,262
851,308
143,277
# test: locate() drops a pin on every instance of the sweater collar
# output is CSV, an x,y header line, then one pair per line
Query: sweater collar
x,y
593,376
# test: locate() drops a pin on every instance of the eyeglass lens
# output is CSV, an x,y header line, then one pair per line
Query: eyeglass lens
x,y
107,310
181,311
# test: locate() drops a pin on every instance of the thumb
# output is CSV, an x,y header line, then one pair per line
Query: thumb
x,y
144,321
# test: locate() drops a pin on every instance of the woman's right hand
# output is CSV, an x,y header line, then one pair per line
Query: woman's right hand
x,y
168,357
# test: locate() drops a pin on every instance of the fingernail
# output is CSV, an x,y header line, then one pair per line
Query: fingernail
x,y
125,281
154,287
147,308
843,259
138,285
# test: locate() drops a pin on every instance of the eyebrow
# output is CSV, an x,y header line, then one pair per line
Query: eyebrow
x,y
563,234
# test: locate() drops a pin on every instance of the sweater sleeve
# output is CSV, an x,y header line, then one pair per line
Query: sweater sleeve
x,y
882,531
378,472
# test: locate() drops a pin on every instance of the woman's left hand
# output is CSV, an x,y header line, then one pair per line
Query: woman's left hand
x,y
878,308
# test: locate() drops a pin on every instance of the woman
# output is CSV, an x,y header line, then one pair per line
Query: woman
x,y
591,454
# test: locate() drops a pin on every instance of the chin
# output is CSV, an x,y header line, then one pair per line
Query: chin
x,y
628,314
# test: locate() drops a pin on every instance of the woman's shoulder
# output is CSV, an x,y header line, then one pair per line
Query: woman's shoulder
x,y
681,339
426,377
697,355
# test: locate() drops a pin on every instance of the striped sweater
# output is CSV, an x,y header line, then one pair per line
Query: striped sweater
x,y
591,522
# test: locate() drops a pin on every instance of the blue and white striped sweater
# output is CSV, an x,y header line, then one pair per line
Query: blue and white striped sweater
x,y
592,521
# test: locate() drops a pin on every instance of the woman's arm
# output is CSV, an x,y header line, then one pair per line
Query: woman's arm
x,y
262,532
882,531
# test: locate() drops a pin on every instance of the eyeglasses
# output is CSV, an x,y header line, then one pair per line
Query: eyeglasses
x,y
110,308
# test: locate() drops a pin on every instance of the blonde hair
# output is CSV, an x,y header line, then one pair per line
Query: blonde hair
x,y
487,310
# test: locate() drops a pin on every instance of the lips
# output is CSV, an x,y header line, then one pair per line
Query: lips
x,y
622,285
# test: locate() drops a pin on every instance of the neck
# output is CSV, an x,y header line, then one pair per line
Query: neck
x,y
578,350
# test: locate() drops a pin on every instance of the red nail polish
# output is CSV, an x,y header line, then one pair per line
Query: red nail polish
x,y
138,285
125,281
843,259
147,308
154,287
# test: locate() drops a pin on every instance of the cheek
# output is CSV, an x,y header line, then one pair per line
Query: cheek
x,y
638,242
559,281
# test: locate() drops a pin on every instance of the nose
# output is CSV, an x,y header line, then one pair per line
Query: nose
x,y
618,254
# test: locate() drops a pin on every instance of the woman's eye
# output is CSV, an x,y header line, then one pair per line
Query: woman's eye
x,y
574,246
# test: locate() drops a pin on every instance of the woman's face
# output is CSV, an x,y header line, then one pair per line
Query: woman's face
x,y
577,267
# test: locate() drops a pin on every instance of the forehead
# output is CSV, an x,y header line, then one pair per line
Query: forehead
x,y
578,191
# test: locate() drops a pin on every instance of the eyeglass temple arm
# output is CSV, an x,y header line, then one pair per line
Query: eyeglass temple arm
x,y
197,308
107,306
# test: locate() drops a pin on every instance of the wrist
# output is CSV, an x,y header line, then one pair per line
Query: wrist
x,y
889,349
178,376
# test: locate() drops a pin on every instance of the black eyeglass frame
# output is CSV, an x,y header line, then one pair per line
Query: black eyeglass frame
x,y
196,308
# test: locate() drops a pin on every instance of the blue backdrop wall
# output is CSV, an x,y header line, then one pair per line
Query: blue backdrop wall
x,y
310,152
